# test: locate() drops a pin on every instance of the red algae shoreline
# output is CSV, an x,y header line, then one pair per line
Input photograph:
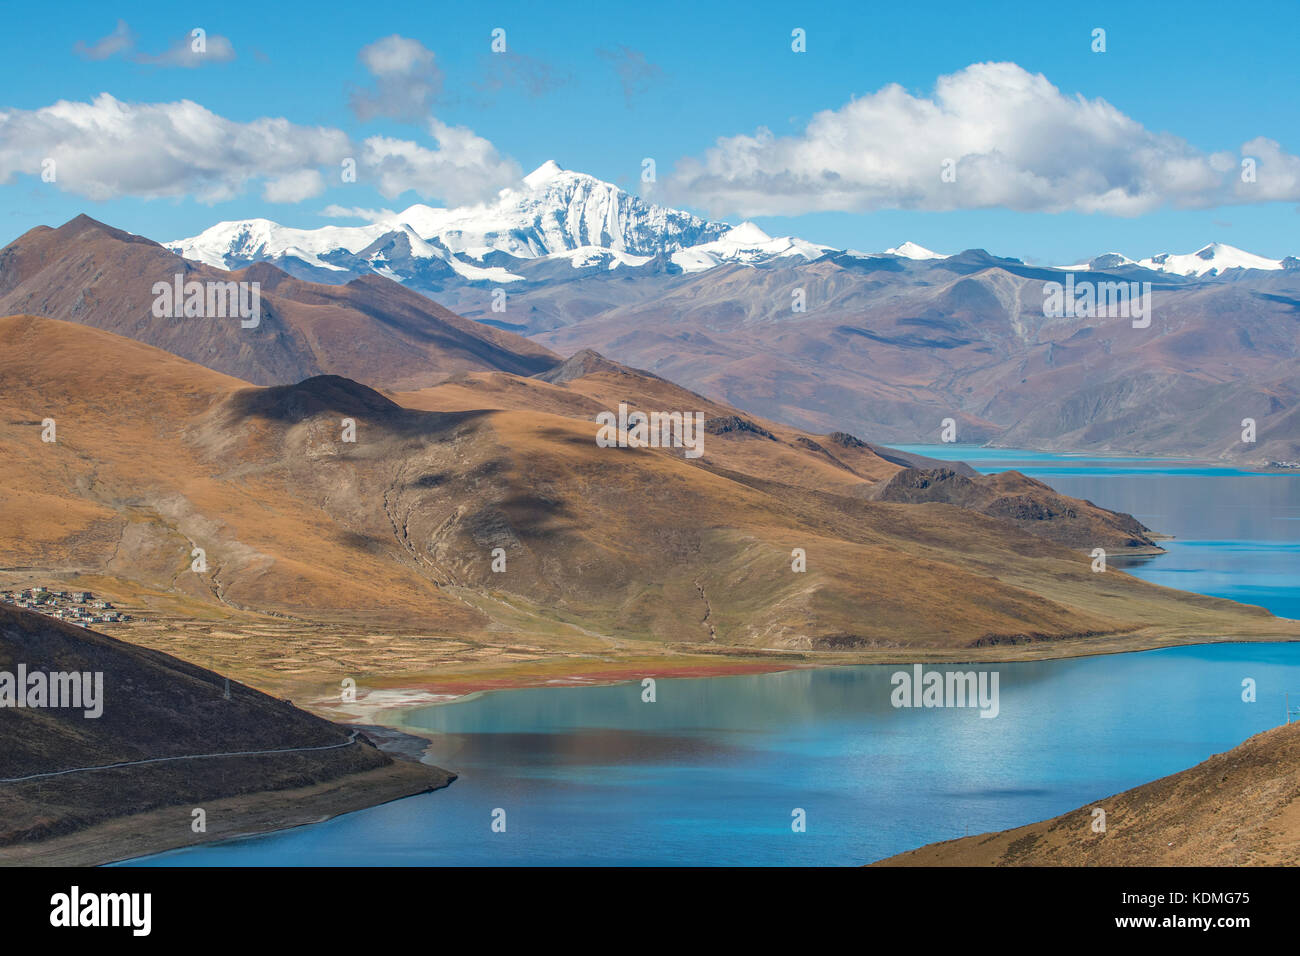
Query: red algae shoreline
x,y
386,706
617,675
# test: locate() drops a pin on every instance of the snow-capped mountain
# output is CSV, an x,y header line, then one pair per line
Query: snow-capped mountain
x,y
910,250
553,212
745,243
1207,262
1214,259
560,225
557,210
233,244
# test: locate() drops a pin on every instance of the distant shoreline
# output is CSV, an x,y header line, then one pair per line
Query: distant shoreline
x,y
392,703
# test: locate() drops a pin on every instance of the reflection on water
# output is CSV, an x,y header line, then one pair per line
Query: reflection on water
x,y
1236,533
711,772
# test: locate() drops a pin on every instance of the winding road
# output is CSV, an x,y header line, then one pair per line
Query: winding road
x,y
352,738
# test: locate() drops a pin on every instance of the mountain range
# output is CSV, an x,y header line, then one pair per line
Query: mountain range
x,y
892,347
889,344
560,215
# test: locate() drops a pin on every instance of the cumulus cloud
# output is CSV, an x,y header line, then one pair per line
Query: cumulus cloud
x,y
1012,139
294,187
465,167
108,148
407,80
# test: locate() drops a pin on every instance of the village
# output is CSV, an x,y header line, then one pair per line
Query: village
x,y
76,607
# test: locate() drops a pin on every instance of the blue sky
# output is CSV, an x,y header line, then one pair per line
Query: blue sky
x,y
600,88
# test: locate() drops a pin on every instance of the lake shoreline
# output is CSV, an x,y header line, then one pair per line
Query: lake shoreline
x,y
416,742
231,818
389,705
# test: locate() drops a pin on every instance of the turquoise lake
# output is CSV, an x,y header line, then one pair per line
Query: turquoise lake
x,y
711,772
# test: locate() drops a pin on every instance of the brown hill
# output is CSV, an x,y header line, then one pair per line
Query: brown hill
x,y
1239,808
1026,502
588,383
608,550
155,706
371,329
890,349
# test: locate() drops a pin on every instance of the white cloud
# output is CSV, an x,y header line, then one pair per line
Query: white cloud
x,y
191,51
121,40
183,52
295,187
406,79
335,211
109,148
1017,141
465,167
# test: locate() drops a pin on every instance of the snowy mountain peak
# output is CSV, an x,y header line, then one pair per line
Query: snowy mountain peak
x,y
234,244
550,211
543,174
1212,259
910,250
554,213
553,210
745,244
746,233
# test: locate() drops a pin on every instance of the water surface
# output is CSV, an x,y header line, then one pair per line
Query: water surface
x,y
711,772
1236,533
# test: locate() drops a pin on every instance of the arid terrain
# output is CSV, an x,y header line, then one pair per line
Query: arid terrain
x,y
323,559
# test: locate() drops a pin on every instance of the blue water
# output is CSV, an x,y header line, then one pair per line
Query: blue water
x,y
711,771
1236,533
